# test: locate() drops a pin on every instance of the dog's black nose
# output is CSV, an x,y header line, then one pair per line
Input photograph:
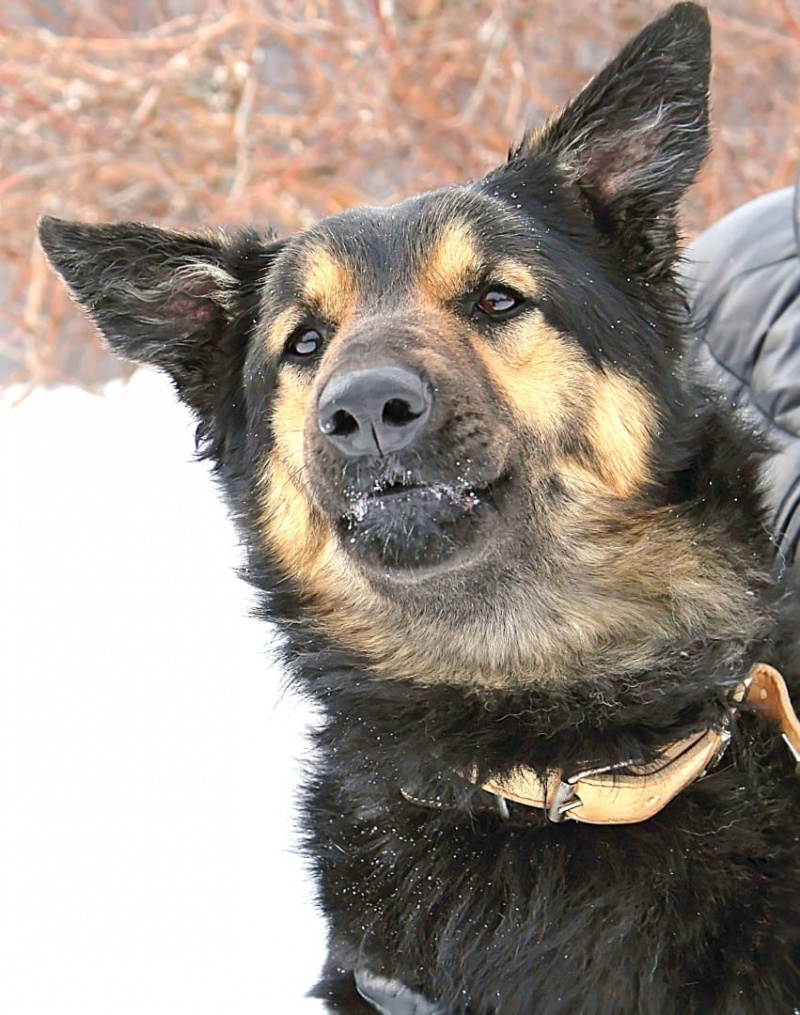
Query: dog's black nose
x,y
375,410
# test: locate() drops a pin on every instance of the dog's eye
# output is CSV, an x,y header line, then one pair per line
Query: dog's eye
x,y
304,343
498,302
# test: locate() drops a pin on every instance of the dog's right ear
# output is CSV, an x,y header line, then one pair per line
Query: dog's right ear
x,y
176,300
633,139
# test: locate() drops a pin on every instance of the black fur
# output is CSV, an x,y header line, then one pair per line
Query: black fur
x,y
693,910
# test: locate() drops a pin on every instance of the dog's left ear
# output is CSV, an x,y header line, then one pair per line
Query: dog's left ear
x,y
180,301
634,139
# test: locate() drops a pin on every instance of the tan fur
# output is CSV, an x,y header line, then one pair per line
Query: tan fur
x,y
335,595
297,534
621,428
289,410
541,375
328,285
280,328
619,615
452,266
516,276
550,386
296,537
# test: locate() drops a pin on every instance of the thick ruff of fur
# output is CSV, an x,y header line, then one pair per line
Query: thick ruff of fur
x,y
499,527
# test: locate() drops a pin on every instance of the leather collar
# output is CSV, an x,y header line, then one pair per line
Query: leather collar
x,y
623,793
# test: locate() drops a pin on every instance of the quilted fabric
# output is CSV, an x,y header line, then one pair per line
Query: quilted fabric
x,y
743,279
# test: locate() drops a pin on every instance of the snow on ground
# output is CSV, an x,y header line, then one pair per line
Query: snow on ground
x,y
147,755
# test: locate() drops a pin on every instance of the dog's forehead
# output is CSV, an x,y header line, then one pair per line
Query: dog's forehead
x,y
444,236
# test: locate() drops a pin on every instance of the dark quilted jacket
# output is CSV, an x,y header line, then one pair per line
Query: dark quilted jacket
x,y
743,278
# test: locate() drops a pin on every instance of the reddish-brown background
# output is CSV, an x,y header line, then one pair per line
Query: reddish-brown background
x,y
185,112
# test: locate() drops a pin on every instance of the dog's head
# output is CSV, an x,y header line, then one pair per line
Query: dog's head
x,y
459,412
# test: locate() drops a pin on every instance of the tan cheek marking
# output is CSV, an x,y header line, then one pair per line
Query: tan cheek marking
x,y
540,374
328,285
451,265
622,426
289,412
295,533
309,553
303,544
298,536
292,534
551,388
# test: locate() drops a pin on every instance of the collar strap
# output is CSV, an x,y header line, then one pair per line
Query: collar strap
x,y
624,794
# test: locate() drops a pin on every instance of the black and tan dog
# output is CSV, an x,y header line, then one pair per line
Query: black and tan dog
x,y
519,561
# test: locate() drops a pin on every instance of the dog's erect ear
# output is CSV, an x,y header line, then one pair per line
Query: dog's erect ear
x,y
171,299
634,139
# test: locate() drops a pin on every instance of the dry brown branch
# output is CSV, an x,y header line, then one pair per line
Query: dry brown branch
x,y
281,111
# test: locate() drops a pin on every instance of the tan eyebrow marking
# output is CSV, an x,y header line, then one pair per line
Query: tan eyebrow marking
x,y
280,327
328,285
516,276
455,265
452,265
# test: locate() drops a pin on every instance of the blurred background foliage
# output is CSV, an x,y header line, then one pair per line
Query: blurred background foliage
x,y
185,112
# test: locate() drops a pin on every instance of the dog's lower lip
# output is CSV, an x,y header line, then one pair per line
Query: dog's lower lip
x,y
466,495
397,489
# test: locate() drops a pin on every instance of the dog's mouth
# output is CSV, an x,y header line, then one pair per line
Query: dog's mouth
x,y
391,495
408,523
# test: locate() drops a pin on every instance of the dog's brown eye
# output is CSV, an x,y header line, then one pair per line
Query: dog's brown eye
x,y
498,302
305,343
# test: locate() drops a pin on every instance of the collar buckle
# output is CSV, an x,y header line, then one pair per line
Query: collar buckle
x,y
564,800
565,796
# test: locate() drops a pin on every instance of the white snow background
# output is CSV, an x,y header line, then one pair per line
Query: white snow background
x,y
148,757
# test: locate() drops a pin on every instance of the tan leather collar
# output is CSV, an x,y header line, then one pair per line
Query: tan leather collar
x,y
624,794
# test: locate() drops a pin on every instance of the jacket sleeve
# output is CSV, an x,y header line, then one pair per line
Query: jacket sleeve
x,y
742,277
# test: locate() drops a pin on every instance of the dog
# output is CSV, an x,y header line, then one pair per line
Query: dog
x,y
519,560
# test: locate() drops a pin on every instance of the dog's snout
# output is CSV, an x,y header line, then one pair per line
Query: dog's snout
x,y
375,410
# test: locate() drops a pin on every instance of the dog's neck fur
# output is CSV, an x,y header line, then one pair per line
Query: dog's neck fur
x,y
609,721
614,670
618,586
604,710
578,623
